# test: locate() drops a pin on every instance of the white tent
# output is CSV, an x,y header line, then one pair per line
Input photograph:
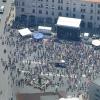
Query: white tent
x,y
62,61
44,29
96,42
62,99
71,98
86,34
69,22
25,32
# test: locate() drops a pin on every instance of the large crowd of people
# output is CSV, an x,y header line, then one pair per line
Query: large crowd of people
x,y
82,62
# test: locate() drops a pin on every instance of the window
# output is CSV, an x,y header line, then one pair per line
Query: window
x,y
98,11
82,16
67,14
22,9
46,6
74,9
74,15
98,5
91,17
58,7
98,18
46,12
41,6
59,14
91,11
60,1
67,8
53,7
16,3
52,13
83,5
52,0
83,10
61,8
91,5
23,4
33,11
82,24
40,11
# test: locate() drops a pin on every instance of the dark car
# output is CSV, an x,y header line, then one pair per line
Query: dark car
x,y
4,0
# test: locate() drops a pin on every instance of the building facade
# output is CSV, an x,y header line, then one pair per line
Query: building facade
x,y
47,11
94,90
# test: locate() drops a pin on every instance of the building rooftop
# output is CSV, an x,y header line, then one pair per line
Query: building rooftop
x,y
94,1
38,96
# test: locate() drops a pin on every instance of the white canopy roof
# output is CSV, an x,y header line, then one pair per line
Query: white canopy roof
x,y
96,42
73,98
62,99
44,28
70,22
25,32
86,34
62,61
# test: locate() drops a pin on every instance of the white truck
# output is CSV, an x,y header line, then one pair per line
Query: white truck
x,y
2,9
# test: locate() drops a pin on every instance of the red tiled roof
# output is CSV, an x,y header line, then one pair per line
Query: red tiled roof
x,y
95,1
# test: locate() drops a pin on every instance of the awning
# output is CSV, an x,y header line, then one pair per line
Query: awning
x,y
86,34
69,98
25,32
38,35
96,42
44,29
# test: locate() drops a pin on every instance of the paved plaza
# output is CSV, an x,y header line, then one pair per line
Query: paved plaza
x,y
5,80
28,66
27,59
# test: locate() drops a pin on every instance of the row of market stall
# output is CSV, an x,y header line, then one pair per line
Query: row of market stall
x,y
40,34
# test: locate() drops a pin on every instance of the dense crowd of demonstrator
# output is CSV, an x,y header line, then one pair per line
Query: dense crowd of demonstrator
x,y
36,57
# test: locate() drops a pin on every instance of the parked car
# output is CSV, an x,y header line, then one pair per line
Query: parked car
x,y
4,0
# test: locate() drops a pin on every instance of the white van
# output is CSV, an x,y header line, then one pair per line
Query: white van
x,y
2,9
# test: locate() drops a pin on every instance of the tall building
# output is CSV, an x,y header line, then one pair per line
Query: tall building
x,y
47,11
94,90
